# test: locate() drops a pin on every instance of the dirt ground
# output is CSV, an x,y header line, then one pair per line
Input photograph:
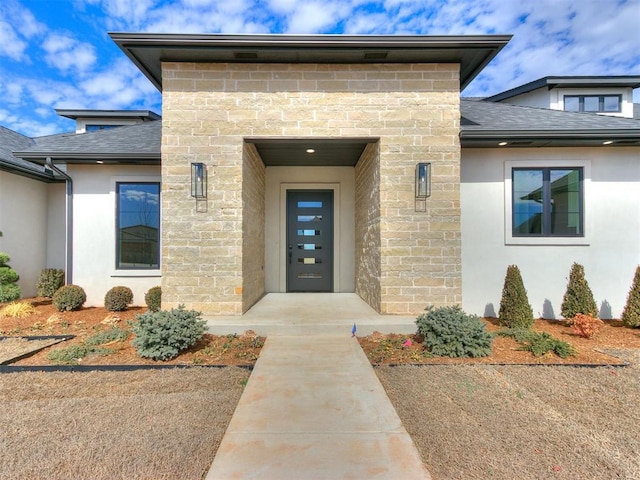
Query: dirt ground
x,y
244,349
144,424
534,422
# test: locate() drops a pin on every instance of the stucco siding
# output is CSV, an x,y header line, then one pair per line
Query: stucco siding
x,y
23,223
94,231
610,250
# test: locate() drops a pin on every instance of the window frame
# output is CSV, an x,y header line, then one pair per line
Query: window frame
x,y
600,97
117,270
542,239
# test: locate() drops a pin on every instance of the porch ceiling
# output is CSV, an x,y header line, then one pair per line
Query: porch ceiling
x,y
326,152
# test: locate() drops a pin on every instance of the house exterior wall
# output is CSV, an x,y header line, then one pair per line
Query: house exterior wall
x,y
56,225
367,226
413,109
610,250
94,231
253,226
23,223
540,98
338,179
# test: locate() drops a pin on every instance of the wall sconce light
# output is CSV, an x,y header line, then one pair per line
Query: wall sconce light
x,y
423,186
198,180
423,181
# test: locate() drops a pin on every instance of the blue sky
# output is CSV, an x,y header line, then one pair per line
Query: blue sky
x,y
57,54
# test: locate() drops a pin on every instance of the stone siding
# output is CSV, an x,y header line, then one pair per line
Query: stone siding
x,y
367,226
210,108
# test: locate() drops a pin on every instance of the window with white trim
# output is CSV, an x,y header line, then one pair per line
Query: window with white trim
x,y
137,225
547,202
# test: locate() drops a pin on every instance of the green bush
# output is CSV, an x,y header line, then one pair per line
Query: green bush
x,y
117,299
578,298
162,335
450,332
69,297
515,310
538,343
50,280
91,346
153,299
631,313
9,289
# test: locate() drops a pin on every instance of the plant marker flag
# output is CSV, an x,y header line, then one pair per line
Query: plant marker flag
x,y
353,330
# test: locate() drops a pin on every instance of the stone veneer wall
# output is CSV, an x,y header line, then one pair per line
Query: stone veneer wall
x,y
253,226
367,226
208,109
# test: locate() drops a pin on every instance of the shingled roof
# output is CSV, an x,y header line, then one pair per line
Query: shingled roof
x,y
137,144
486,123
11,141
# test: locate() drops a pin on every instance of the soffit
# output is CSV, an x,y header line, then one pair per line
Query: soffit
x,y
148,51
326,152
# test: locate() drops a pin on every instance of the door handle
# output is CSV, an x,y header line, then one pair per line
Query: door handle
x,y
290,253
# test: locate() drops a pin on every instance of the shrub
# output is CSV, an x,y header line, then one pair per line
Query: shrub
x,y
162,335
91,346
50,280
9,289
69,297
450,332
18,310
538,343
153,299
631,313
578,298
117,299
515,310
585,325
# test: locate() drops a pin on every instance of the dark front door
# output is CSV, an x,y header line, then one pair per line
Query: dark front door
x,y
309,240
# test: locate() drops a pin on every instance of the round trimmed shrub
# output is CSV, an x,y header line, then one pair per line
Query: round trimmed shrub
x,y
117,299
69,297
9,289
450,332
153,299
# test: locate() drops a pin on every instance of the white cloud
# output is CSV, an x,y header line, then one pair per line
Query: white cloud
x,y
141,196
65,53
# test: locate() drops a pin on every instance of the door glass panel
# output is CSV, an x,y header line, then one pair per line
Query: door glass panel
x,y
308,233
309,204
309,218
309,275
309,246
309,260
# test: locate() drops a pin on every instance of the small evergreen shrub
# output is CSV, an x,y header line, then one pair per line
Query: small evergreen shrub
x,y
114,334
117,299
515,310
631,313
585,325
153,299
578,298
69,297
450,332
91,346
162,335
49,281
538,343
9,289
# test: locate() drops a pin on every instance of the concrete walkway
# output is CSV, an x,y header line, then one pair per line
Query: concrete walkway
x,y
314,409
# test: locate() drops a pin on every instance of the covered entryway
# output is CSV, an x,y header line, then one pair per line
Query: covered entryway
x,y
310,241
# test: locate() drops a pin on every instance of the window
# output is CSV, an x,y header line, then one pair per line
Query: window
x,y
547,202
593,103
95,128
138,225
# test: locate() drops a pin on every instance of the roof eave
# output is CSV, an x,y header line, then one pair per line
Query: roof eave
x,y
28,173
520,138
75,157
147,51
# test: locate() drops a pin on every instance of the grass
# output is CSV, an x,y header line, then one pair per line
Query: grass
x,y
506,422
160,424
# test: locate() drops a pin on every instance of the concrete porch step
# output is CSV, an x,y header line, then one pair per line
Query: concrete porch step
x,y
311,314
